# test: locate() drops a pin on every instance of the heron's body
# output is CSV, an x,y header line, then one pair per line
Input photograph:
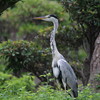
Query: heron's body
x,y
61,69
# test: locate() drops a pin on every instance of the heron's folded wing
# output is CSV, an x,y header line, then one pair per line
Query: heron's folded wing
x,y
67,72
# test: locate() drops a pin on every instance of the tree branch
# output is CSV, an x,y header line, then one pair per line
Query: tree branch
x,y
4,4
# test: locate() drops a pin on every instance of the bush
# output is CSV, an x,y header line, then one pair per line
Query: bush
x,y
23,55
87,93
22,89
16,86
97,81
4,77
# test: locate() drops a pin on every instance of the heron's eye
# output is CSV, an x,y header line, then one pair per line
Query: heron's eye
x,y
48,16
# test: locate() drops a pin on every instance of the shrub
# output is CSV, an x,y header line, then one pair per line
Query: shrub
x,y
23,88
23,55
97,80
18,92
4,77
87,93
16,86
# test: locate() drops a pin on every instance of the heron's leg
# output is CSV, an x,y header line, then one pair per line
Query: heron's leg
x,y
58,84
69,91
65,86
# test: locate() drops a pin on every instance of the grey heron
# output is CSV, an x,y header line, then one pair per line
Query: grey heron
x,y
62,71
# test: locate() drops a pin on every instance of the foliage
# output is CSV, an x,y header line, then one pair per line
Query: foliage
x,y
23,89
4,77
2,65
20,17
85,11
97,79
20,56
15,86
23,55
87,94
85,14
21,23
17,23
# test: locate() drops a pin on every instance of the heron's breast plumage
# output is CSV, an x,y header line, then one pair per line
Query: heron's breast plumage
x,y
56,72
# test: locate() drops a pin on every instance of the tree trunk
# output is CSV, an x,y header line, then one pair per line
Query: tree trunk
x,y
95,63
86,71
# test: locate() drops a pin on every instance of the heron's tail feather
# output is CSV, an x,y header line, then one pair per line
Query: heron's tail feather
x,y
75,93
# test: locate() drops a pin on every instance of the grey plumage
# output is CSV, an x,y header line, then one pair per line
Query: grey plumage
x,y
61,69
64,74
68,76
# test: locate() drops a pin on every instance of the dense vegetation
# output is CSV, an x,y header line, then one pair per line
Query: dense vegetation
x,y
25,51
86,15
23,88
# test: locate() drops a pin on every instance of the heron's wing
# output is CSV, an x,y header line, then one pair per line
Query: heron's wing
x,y
67,72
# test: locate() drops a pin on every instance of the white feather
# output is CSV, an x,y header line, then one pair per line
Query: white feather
x,y
56,71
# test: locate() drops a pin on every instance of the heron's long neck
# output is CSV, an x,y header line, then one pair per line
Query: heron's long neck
x,y
52,39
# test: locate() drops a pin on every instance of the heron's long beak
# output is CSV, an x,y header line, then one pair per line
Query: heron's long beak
x,y
40,18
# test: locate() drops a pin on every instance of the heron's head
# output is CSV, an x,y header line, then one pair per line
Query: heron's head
x,y
50,18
